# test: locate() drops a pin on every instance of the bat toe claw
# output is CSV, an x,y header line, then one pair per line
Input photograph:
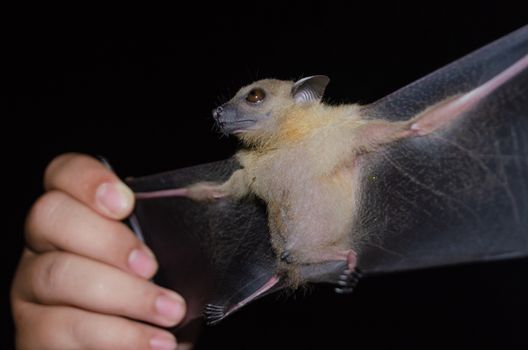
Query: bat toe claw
x,y
347,281
339,290
286,257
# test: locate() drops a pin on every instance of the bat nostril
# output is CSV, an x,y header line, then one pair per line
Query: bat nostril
x,y
217,112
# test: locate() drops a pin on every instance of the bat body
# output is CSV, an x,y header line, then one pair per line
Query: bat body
x,y
318,191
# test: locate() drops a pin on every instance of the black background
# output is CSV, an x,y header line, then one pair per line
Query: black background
x,y
138,86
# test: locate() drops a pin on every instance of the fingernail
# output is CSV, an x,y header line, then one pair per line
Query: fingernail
x,y
142,262
170,306
116,198
163,342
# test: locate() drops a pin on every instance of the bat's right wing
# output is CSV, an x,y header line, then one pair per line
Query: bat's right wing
x,y
217,255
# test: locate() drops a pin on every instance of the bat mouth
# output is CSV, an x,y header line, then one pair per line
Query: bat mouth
x,y
235,127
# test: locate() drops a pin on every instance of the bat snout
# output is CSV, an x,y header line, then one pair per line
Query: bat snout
x,y
230,120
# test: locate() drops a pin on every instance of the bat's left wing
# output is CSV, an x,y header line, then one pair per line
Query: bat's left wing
x,y
459,194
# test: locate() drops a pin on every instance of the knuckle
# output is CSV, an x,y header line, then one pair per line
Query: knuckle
x,y
48,331
77,174
38,334
109,333
131,336
80,329
141,301
43,213
116,246
119,240
58,164
121,243
49,275
34,328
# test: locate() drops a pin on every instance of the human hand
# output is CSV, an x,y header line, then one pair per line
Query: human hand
x,y
83,279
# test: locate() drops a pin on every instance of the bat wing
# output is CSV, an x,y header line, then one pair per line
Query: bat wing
x,y
217,254
455,196
460,195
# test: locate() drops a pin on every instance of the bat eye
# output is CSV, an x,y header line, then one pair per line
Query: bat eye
x,y
255,95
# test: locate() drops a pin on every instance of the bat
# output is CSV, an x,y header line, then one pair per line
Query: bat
x,y
434,174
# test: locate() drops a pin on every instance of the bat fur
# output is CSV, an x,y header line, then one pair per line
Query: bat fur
x,y
298,151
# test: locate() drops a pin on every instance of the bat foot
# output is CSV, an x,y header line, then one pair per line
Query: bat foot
x,y
214,313
287,257
347,281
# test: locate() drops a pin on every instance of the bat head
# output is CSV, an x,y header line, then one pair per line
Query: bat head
x,y
257,110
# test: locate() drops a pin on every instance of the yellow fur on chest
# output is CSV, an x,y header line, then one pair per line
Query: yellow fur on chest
x,y
308,149
268,174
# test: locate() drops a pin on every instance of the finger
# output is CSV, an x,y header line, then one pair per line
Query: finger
x,y
44,327
89,181
58,221
59,278
188,334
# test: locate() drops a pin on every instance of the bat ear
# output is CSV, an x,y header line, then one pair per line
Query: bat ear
x,y
309,89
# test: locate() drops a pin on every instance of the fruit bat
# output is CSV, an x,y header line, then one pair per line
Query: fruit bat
x,y
433,174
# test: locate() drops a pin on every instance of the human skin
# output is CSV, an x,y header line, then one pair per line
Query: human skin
x,y
83,279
